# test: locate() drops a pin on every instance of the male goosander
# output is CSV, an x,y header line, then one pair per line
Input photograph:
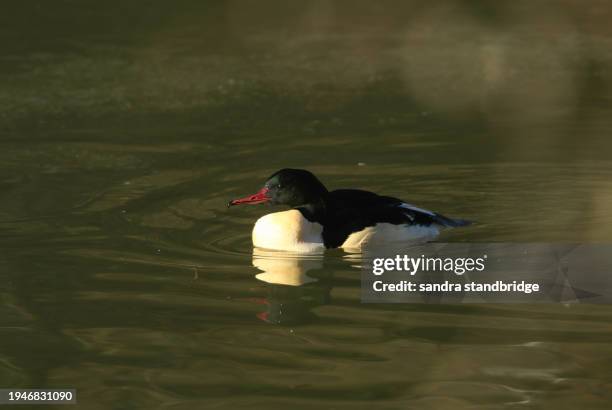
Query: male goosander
x,y
346,218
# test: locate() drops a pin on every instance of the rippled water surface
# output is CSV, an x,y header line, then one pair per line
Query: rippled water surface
x,y
124,275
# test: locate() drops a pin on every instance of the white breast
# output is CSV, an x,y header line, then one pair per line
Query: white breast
x,y
288,231
382,233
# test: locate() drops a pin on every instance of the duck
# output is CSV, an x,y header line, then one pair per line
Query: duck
x,y
351,219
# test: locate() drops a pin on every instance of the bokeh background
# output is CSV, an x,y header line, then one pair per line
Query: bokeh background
x,y
314,67
125,126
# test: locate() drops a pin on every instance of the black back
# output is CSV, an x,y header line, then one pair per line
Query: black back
x,y
352,210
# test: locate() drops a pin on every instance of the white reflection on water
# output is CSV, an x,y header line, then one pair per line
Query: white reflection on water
x,y
295,284
285,268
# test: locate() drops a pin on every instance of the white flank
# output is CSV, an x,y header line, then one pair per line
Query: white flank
x,y
288,231
385,233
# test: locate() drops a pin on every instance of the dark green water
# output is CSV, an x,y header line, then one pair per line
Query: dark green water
x,y
125,129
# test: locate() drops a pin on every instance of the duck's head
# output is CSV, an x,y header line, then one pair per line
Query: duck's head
x,y
291,187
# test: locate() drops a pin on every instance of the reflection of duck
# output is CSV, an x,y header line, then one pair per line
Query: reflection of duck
x,y
291,292
347,218
284,268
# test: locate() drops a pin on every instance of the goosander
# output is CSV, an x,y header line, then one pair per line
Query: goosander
x,y
347,218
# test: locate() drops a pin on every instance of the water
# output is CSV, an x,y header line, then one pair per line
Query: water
x,y
124,275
